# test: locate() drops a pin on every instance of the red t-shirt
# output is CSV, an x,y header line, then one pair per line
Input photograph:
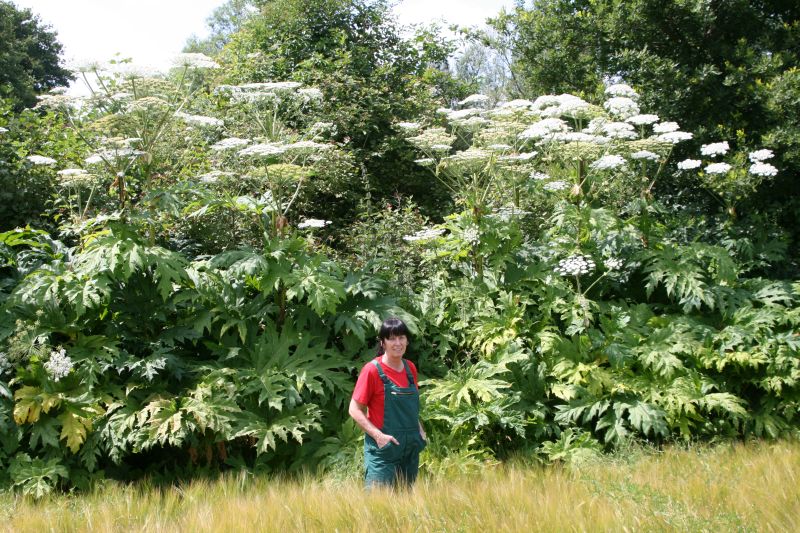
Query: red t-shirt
x,y
369,388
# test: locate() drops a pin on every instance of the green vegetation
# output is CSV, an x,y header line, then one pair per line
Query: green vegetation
x,y
203,257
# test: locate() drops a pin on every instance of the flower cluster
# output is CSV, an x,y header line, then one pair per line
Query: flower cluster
x,y
231,142
718,168
608,162
313,223
59,365
41,160
424,235
74,177
689,164
613,263
199,120
715,149
575,265
195,60
763,169
5,364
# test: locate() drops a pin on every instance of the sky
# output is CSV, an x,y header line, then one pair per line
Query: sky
x,y
151,31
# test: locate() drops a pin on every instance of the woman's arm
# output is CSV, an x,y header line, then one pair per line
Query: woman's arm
x,y
358,411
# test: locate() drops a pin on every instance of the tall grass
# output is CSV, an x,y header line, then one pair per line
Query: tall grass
x,y
724,488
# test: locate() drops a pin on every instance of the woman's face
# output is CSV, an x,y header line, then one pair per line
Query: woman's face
x,y
395,346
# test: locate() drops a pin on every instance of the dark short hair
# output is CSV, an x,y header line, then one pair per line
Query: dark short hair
x,y
391,327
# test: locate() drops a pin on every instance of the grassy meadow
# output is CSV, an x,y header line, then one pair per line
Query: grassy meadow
x,y
741,487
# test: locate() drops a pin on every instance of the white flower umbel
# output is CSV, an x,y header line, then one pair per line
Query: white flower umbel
x,y
195,60
689,164
59,365
516,104
263,150
621,107
642,120
408,126
213,176
557,185
718,168
425,161
763,169
424,235
576,265
540,176
622,89
5,364
306,147
608,162
613,263
674,137
545,129
313,223
229,143
478,100
506,213
760,155
310,94
3,130
645,154
471,235
41,160
715,149
200,120
619,130
666,127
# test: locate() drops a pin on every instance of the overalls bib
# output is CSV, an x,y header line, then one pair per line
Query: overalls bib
x,y
396,463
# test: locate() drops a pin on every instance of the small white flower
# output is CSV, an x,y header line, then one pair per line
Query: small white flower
x,y
516,104
213,176
763,169
5,364
545,128
666,127
557,185
72,172
306,147
41,160
425,161
608,162
480,100
621,107
196,60
621,89
613,263
499,147
715,149
717,168
642,120
59,365
424,235
674,137
536,175
199,120
310,94
645,154
231,142
263,150
619,130
462,113
471,235
689,164
313,223
760,155
408,126
575,265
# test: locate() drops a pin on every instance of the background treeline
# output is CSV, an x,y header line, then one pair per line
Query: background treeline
x,y
585,212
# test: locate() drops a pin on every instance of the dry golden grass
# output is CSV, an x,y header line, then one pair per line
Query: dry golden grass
x,y
753,487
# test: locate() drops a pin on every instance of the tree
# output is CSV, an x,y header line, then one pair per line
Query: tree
x,y
371,75
223,22
29,56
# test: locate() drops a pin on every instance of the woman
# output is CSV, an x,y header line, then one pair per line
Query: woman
x,y
385,404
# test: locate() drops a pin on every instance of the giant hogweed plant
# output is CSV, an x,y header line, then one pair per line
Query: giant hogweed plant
x,y
620,361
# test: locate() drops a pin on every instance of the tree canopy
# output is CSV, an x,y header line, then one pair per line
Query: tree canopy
x,y
29,56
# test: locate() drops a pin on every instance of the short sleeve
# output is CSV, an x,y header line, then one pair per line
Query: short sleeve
x,y
364,386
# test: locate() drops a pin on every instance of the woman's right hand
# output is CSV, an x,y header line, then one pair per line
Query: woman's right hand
x,y
383,439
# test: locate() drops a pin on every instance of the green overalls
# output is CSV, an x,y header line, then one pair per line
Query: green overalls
x,y
396,464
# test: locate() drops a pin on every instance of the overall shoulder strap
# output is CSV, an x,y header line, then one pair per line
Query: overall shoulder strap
x,y
408,373
380,372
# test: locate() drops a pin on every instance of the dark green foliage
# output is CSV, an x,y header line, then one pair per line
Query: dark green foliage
x,y
29,57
